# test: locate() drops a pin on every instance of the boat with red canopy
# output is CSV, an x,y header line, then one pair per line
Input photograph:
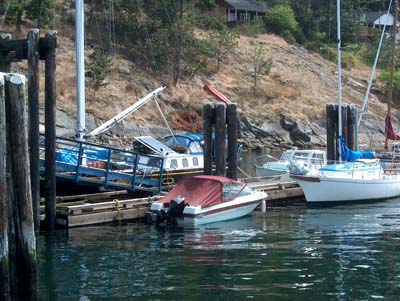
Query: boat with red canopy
x,y
205,199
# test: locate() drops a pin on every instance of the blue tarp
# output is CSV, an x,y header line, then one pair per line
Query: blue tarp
x,y
348,154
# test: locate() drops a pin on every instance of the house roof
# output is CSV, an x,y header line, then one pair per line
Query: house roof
x,y
251,5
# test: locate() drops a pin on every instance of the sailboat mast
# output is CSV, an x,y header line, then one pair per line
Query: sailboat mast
x,y
394,41
339,46
80,68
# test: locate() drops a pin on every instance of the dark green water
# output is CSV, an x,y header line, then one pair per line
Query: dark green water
x,y
296,253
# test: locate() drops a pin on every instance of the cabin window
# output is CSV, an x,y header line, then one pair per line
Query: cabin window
x,y
174,163
317,158
195,147
185,162
195,161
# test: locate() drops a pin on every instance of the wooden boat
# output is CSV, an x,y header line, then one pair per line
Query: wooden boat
x,y
205,199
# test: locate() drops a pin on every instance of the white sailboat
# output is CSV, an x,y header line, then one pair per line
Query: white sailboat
x,y
358,180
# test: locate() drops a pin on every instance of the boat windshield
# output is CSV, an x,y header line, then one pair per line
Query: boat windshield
x,y
193,146
286,156
232,190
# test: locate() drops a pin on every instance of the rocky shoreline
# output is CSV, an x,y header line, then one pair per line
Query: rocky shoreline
x,y
283,134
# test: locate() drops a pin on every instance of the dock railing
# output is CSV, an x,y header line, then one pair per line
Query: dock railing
x,y
89,163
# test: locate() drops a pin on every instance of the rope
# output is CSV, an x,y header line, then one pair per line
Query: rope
x,y
119,207
5,14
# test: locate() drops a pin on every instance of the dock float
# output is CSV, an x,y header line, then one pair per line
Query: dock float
x,y
119,206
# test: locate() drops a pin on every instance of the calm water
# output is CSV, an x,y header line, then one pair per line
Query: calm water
x,y
295,253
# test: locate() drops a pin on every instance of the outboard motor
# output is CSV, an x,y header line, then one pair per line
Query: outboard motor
x,y
176,207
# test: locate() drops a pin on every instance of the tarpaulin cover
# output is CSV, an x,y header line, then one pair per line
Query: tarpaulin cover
x,y
390,134
348,154
199,190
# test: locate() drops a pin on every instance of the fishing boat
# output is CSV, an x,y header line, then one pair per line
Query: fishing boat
x,y
293,161
360,179
177,163
204,199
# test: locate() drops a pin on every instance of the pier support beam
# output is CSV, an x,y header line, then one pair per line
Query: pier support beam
x,y
4,252
348,126
220,133
232,122
208,116
50,134
34,135
26,263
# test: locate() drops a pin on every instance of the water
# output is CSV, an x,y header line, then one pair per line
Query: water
x,y
296,253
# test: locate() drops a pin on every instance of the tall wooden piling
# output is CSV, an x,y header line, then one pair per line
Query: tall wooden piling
x,y
330,133
220,133
4,252
232,129
50,132
34,135
5,63
26,265
208,113
351,126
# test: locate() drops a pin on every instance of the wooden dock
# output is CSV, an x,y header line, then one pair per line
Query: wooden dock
x,y
119,206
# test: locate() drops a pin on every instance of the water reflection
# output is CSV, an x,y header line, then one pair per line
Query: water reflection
x,y
295,253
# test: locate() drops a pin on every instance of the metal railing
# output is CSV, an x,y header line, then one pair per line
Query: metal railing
x,y
89,163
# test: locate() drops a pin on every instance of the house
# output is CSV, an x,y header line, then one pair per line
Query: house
x,y
375,21
243,11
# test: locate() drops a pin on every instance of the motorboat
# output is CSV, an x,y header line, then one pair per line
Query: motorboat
x,y
293,161
204,199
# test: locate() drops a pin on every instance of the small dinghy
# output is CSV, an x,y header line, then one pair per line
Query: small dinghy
x,y
205,199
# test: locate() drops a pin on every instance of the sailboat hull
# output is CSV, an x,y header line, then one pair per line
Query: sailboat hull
x,y
321,190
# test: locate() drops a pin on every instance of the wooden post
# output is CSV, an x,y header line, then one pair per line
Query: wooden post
x,y
34,135
220,144
330,133
50,134
232,141
208,113
27,270
345,134
351,121
4,258
4,65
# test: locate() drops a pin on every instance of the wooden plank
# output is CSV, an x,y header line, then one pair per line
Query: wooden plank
x,y
284,194
91,196
112,205
102,217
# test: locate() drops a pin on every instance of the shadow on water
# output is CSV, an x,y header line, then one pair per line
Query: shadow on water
x,y
291,253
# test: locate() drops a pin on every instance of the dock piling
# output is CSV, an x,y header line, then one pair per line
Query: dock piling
x,y
50,134
34,135
26,265
4,253
220,133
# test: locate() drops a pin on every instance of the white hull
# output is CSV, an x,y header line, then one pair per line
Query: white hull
x,y
196,215
320,189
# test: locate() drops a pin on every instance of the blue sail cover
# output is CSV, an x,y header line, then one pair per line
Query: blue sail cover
x,y
348,154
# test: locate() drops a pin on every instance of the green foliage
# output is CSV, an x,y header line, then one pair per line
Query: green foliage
x,y
99,66
260,65
281,20
222,43
41,11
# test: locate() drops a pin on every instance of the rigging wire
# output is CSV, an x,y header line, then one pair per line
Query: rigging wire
x,y
98,29
5,14
371,78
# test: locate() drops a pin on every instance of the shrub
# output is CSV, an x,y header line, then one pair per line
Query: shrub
x,y
281,20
